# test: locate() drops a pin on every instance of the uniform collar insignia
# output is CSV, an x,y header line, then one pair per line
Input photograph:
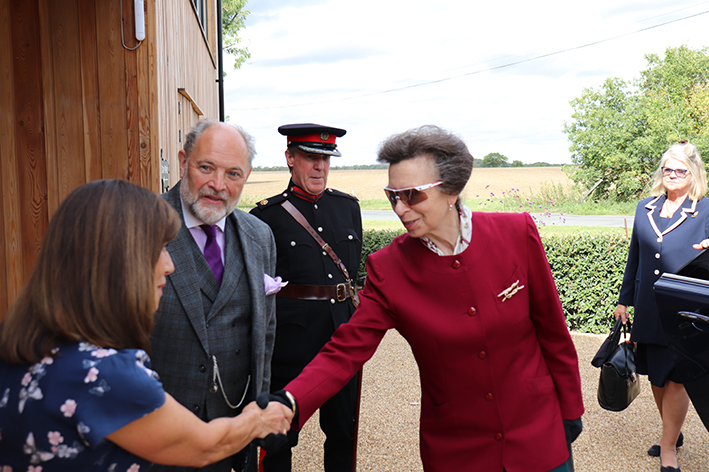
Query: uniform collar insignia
x,y
302,194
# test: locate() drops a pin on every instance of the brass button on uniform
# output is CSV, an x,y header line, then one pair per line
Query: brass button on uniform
x,y
657,255
657,272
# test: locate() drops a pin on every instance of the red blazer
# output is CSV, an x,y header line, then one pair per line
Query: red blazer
x,y
498,372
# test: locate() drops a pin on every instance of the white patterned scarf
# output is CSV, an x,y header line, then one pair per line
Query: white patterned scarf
x,y
464,235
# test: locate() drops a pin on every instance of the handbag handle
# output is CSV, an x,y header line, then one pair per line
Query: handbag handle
x,y
626,331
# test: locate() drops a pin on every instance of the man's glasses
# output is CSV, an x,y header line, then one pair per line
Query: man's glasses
x,y
409,195
681,173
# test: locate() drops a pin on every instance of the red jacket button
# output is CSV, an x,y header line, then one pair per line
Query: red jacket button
x,y
472,311
498,436
489,397
456,264
482,354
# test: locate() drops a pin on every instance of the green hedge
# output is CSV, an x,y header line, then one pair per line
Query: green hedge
x,y
588,270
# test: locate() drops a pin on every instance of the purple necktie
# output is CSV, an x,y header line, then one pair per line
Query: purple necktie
x,y
212,252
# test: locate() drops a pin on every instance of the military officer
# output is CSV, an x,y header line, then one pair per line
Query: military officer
x,y
320,294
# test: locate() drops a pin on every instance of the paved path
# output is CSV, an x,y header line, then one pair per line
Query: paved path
x,y
388,435
555,218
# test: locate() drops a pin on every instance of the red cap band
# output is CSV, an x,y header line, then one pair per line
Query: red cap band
x,y
313,138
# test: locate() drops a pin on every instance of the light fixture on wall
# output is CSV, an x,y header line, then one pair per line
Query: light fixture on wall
x,y
139,24
139,20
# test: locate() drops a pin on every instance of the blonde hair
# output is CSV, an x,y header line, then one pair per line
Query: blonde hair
x,y
94,277
688,154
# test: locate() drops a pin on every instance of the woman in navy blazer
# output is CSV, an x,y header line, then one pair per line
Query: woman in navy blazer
x,y
669,228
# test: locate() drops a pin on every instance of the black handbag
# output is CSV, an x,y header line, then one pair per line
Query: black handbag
x,y
618,384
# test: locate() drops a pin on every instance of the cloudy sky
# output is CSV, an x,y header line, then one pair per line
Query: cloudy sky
x,y
499,73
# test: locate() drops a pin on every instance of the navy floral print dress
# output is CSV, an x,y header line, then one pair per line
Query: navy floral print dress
x,y
55,415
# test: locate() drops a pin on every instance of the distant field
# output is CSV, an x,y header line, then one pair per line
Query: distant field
x,y
368,184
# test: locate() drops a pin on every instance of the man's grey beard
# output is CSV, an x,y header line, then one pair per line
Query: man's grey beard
x,y
206,216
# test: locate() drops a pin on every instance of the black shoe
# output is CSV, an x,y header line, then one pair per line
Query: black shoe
x,y
654,451
667,468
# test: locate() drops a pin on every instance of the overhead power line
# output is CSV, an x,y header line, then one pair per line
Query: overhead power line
x,y
467,74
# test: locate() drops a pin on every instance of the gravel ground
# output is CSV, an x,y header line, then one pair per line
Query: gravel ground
x,y
388,432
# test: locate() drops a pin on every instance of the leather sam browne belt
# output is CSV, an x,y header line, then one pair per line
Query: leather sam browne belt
x,y
339,292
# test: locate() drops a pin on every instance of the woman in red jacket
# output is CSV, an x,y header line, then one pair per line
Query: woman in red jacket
x,y
473,295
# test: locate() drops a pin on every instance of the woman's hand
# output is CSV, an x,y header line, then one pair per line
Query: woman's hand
x,y
621,311
274,419
703,245
173,435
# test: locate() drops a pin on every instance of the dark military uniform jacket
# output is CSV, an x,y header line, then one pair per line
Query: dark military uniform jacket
x,y
304,326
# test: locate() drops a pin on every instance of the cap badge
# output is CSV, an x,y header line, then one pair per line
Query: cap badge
x,y
324,136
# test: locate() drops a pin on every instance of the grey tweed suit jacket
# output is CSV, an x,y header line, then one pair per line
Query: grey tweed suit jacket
x,y
181,351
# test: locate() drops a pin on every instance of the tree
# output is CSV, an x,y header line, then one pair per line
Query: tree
x,y
607,123
234,15
675,89
619,132
494,159
517,163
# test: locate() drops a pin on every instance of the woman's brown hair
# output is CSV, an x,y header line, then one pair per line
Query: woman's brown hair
x,y
94,277
449,153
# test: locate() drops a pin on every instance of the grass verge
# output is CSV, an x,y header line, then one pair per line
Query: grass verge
x,y
381,225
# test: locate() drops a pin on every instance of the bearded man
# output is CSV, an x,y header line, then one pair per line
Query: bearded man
x,y
215,327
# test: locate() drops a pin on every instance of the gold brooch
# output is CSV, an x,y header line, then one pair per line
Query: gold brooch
x,y
263,202
511,290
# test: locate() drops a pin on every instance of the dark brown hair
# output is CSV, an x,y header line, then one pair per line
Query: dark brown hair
x,y
449,153
94,277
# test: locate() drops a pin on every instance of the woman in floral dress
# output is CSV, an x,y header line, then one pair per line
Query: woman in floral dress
x,y
76,389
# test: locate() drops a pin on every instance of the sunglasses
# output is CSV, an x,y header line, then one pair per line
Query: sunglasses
x,y
681,173
409,195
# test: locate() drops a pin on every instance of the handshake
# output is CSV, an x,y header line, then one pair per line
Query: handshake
x,y
274,442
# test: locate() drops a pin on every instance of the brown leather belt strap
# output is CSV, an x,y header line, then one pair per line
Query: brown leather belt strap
x,y
288,206
339,292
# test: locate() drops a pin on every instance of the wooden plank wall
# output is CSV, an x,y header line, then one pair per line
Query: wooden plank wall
x,y
185,60
75,106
